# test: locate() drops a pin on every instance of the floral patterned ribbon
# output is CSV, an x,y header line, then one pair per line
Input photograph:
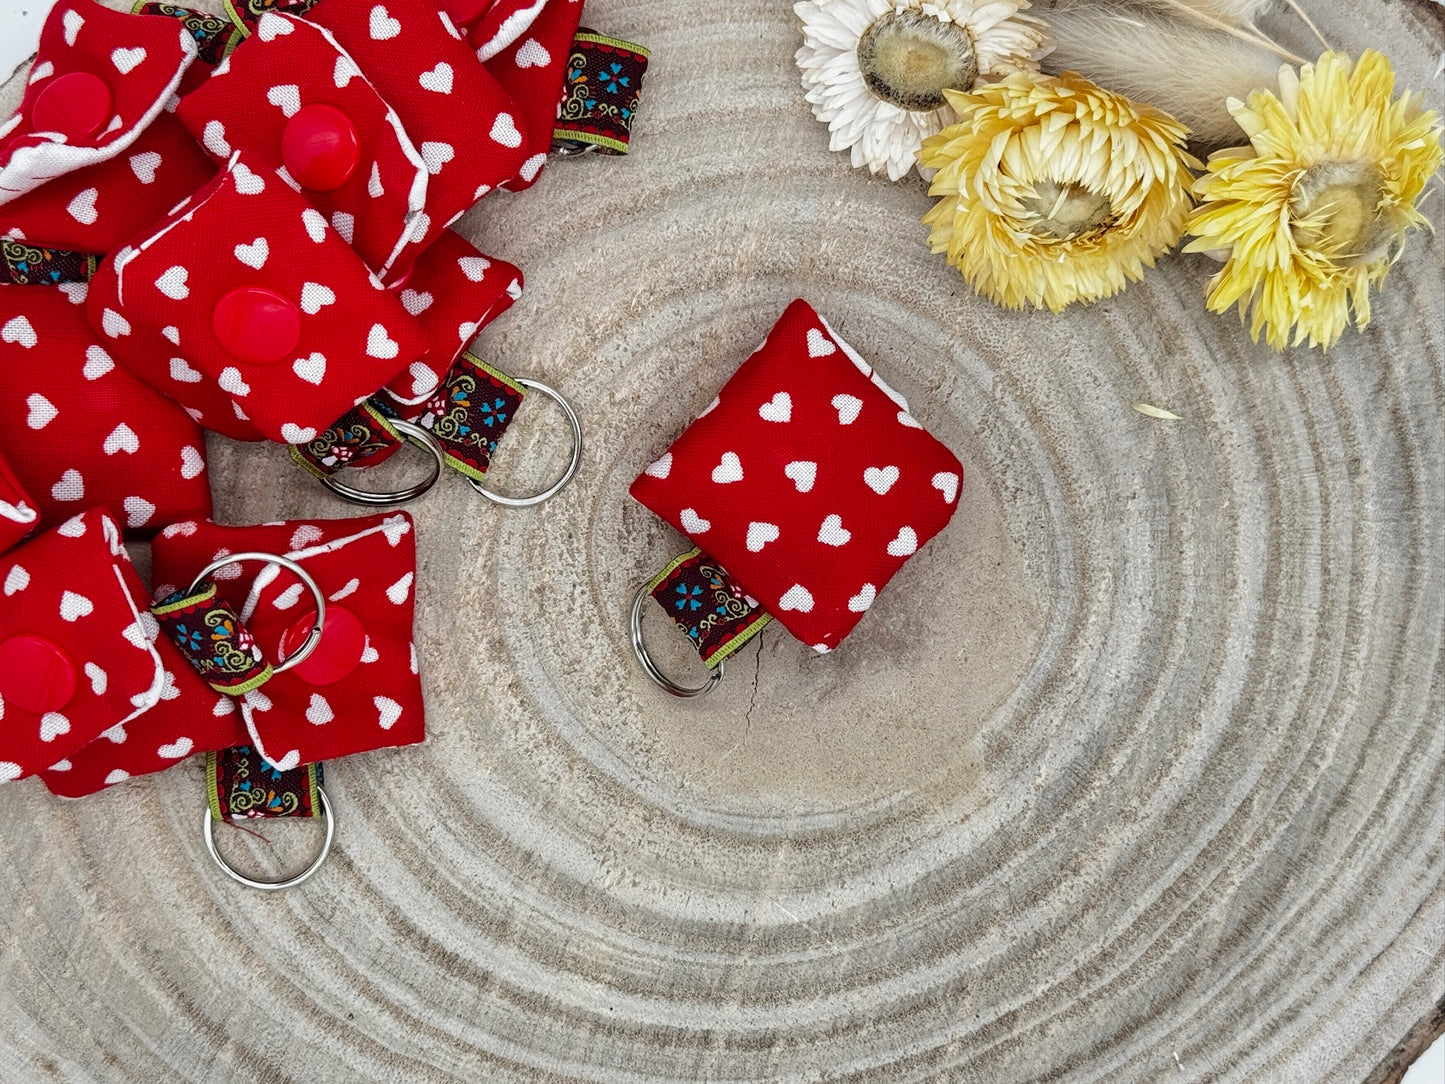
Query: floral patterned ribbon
x,y
240,786
31,265
213,640
216,36
703,601
600,94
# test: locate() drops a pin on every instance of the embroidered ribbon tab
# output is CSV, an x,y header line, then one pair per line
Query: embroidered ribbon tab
x,y
703,601
213,640
600,93
361,436
469,413
240,785
28,265
215,36
247,13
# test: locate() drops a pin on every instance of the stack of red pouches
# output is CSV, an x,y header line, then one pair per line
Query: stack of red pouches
x,y
237,225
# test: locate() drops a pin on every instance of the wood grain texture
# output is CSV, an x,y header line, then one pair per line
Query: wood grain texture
x,y
1137,773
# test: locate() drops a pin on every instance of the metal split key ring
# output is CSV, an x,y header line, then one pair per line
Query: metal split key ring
x,y
412,434
557,486
661,680
313,637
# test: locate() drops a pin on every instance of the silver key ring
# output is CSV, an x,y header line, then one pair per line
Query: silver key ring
x,y
314,636
413,434
273,886
661,680
557,486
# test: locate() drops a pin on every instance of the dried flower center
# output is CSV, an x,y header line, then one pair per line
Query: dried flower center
x,y
1337,208
1065,210
909,59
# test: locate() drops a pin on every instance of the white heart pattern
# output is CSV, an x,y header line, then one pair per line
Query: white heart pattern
x,y
533,54
380,345
819,345
803,472
504,131
905,544
345,590
315,223
253,255
400,591
122,439
946,482
72,22
289,597
438,80
99,679
848,408
138,511
729,470
318,711
182,373
311,369
171,334
907,419
52,725
43,70
661,468
42,411
863,599
192,462
383,27
416,302
344,224
286,97
74,527
692,523
532,166
777,409
177,749
474,267
172,283
75,606
144,166
71,486
292,433
272,26
797,598
880,480
373,183
82,207
423,380
246,182
114,324
388,711
231,380
16,580
833,533
760,534
213,138
126,60
436,155
315,296
344,71
18,330
304,535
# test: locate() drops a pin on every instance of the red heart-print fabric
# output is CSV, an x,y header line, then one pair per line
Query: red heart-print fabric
x,y
807,479
99,78
76,657
453,291
532,70
495,24
80,430
98,208
291,81
18,512
245,306
461,122
361,689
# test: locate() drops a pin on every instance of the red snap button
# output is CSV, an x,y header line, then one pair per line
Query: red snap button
x,y
342,642
76,104
320,148
35,674
461,12
256,324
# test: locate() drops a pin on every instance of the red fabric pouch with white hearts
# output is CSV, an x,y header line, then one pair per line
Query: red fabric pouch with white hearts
x,y
246,307
99,79
807,483
457,116
96,209
18,513
75,654
532,70
360,689
81,431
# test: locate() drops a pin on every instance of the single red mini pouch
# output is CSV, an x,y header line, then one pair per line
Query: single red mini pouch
x,y
80,430
806,485
76,657
245,306
360,689
99,78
